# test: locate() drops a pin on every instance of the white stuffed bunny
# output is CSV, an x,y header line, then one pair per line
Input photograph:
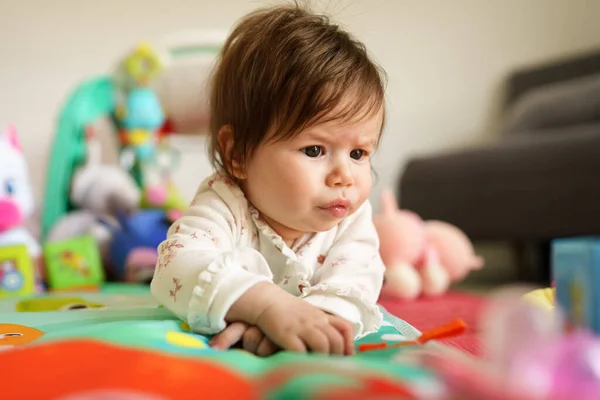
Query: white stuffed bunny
x,y
16,195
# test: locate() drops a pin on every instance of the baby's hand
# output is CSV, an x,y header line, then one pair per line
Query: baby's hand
x,y
251,338
297,325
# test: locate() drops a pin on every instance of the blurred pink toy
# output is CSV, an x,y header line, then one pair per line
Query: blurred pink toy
x,y
421,257
529,356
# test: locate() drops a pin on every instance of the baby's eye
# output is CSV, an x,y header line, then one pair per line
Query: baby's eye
x,y
313,151
357,154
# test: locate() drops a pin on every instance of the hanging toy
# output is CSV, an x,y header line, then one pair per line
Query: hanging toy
x,y
139,67
140,119
141,122
139,114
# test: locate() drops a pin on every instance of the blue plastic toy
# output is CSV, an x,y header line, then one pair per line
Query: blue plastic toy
x,y
576,273
134,245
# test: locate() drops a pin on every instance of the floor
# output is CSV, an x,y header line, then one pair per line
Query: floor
x,y
429,313
466,299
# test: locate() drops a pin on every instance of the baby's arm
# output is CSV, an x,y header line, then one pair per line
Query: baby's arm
x,y
204,278
201,272
349,282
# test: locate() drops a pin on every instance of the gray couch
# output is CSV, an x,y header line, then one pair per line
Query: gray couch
x,y
540,179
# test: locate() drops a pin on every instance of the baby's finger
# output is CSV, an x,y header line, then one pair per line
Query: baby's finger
x,y
316,341
252,338
228,336
266,347
336,340
345,328
290,342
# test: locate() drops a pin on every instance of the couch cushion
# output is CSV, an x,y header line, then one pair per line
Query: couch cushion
x,y
555,105
525,187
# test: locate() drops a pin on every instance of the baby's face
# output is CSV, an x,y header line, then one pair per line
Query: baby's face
x,y
314,181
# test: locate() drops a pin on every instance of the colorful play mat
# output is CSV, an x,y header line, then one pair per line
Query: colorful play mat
x,y
120,344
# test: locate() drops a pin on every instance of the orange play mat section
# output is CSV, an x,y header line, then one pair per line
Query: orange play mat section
x,y
113,370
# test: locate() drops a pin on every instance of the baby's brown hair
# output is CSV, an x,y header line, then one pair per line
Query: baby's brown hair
x,y
283,69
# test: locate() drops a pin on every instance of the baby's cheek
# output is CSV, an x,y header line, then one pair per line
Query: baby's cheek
x,y
298,176
364,178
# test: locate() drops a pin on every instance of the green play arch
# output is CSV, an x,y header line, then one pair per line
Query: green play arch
x,y
95,99
92,100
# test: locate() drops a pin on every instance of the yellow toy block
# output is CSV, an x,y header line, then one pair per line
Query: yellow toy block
x,y
17,276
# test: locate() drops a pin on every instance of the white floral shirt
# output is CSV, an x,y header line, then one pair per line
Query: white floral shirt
x,y
221,247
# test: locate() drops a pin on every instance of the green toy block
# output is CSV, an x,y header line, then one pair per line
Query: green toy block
x,y
17,277
73,264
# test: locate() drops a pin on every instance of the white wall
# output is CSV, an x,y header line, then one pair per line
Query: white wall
x,y
445,60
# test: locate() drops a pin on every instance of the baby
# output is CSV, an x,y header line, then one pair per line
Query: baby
x,y
277,249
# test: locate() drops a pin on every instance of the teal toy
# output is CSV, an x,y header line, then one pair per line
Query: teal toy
x,y
143,110
140,120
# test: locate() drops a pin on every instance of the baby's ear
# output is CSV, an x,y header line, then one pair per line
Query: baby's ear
x,y
231,160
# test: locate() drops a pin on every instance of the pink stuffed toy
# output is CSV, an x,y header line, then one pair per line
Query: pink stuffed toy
x,y
421,257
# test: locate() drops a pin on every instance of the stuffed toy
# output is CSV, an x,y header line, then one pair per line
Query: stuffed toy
x,y
102,188
421,257
16,198
98,193
107,201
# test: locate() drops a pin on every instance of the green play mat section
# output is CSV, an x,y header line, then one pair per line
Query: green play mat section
x,y
126,318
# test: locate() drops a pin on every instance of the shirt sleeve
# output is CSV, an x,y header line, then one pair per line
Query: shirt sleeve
x,y
349,281
201,271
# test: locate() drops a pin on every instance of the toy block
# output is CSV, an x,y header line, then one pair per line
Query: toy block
x,y
576,274
73,264
17,274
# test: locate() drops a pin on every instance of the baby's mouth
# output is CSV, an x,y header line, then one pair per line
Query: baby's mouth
x,y
338,208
